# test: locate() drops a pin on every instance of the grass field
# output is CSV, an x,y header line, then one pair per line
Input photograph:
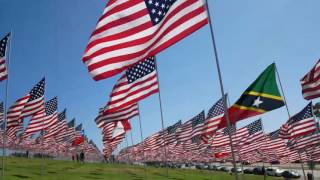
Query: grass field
x,y
22,168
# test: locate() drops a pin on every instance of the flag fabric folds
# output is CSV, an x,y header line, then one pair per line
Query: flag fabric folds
x,y
44,119
36,100
137,83
310,83
213,118
3,57
300,124
27,105
260,97
131,31
122,114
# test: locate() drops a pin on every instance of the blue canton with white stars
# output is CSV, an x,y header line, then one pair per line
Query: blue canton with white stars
x,y
71,123
141,69
254,127
198,119
37,91
274,135
62,115
3,45
304,114
158,9
227,131
51,106
172,129
79,127
216,110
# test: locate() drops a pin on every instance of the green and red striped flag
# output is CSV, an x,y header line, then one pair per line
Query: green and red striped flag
x,y
260,97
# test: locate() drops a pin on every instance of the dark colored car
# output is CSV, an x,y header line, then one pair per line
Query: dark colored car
x,y
258,171
248,171
291,174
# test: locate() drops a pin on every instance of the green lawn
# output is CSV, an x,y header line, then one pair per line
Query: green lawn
x,y
22,168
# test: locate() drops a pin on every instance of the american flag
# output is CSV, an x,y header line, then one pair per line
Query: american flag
x,y
311,83
300,124
45,118
109,142
303,142
191,128
3,54
139,82
119,115
36,101
221,138
130,31
240,137
60,125
15,111
171,133
214,117
68,132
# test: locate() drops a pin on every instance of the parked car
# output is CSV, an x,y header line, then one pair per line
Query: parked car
x,y
248,171
238,170
274,171
258,170
291,174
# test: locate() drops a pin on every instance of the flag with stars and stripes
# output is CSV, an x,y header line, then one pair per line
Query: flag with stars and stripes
x,y
36,100
131,31
59,126
310,83
119,115
139,82
171,132
214,117
191,128
3,57
300,124
45,118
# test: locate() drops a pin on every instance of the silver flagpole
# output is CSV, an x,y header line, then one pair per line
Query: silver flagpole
x,y
4,135
222,89
142,144
128,156
162,121
285,102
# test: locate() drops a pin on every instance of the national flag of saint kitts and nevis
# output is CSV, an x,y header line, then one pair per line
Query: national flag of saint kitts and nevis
x,y
260,97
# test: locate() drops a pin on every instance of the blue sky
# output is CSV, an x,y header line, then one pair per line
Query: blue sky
x,y
49,38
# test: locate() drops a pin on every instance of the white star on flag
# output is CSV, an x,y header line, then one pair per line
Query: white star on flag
x,y
257,102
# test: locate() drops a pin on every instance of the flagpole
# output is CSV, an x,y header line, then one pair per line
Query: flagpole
x,y
285,102
222,89
142,143
4,135
162,121
128,156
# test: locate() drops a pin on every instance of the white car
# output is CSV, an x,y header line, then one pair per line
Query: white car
x,y
274,171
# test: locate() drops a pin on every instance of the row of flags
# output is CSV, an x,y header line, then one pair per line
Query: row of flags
x,y
204,131
127,38
48,130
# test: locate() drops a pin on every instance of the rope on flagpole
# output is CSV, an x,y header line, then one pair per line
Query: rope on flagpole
x,y
222,90
142,144
285,102
4,135
162,121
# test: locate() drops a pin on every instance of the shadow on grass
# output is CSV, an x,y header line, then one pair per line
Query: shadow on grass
x,y
91,177
95,173
52,172
21,176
